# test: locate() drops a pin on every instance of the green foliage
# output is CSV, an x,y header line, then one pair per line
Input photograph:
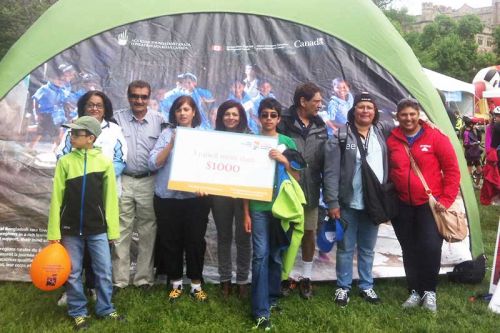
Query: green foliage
x,y
486,59
429,35
469,26
455,56
400,15
496,36
399,18
382,4
445,25
16,16
446,45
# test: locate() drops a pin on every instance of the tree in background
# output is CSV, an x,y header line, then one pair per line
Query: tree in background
x,y
447,46
16,16
382,4
399,18
496,36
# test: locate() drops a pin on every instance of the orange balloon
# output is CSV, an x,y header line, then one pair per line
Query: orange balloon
x,y
50,268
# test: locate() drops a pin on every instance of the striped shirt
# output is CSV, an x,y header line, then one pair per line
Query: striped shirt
x,y
141,136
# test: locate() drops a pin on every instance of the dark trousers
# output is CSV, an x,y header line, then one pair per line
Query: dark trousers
x,y
228,212
421,243
182,224
87,267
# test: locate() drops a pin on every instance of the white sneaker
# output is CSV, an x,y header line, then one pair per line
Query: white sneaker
x,y
413,301
429,301
341,297
63,300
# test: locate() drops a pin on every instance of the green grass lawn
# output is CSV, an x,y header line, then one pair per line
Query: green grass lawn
x,y
23,308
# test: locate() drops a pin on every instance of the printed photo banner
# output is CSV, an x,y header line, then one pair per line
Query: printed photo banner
x,y
223,163
223,56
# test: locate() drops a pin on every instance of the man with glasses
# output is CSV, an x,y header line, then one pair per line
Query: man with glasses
x,y
302,123
141,129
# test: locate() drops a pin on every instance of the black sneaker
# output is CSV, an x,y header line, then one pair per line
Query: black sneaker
x,y
114,316
305,288
287,286
81,323
341,297
145,287
117,290
262,323
369,295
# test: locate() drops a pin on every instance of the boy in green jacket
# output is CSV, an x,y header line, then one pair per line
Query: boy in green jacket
x,y
259,220
84,208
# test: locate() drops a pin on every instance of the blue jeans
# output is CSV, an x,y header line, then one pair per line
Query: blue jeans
x,y
266,265
100,257
363,233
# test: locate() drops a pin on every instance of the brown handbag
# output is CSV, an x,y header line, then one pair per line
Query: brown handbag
x,y
451,222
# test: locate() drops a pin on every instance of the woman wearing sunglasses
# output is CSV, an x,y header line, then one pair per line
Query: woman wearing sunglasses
x,y
96,104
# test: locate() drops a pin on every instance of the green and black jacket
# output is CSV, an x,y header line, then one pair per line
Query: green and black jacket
x,y
84,200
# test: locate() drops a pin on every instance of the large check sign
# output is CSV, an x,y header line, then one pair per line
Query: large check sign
x,y
223,163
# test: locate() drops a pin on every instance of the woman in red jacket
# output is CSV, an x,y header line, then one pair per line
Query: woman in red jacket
x,y
415,226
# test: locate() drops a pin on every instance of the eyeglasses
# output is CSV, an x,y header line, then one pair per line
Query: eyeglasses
x,y
271,115
91,106
135,96
76,134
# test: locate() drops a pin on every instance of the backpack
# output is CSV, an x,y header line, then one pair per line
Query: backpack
x,y
470,271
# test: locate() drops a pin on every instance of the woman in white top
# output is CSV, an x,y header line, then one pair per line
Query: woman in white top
x,y
96,104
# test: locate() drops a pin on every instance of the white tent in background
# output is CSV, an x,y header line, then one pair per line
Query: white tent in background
x,y
459,94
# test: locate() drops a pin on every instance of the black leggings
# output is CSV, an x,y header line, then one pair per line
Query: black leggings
x,y
182,224
421,243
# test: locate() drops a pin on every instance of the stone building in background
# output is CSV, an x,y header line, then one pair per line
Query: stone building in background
x,y
490,16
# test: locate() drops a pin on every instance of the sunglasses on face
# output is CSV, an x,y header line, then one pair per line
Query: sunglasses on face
x,y
271,115
136,96
76,134
94,106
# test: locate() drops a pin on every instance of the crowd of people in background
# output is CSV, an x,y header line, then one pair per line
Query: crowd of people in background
x,y
481,142
321,152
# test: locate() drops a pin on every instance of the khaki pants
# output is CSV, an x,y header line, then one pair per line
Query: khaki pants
x,y
136,211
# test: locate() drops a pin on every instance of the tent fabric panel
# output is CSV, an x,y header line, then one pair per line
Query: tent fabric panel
x,y
355,23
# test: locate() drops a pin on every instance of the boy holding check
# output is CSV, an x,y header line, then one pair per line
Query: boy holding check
x,y
266,258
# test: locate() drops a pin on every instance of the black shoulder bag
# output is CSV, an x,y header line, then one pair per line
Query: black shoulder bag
x,y
381,200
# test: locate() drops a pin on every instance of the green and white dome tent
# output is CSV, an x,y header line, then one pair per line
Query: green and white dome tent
x,y
109,43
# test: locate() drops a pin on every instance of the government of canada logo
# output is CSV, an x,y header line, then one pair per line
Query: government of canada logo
x,y
122,38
